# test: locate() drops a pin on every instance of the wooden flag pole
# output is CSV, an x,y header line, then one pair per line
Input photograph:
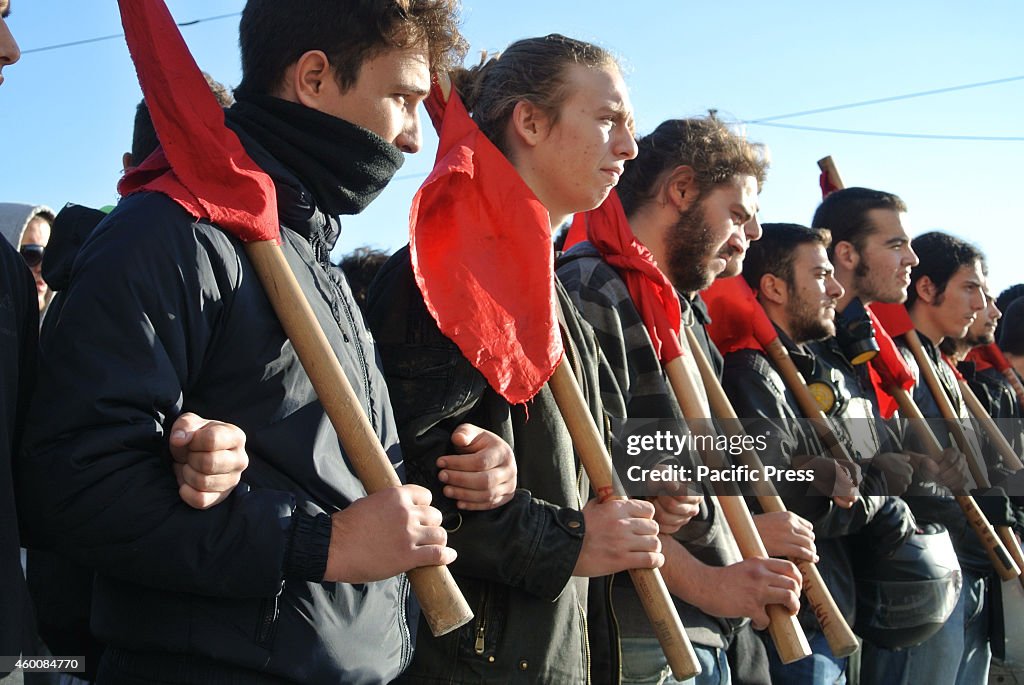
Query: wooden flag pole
x,y
649,584
1000,557
974,405
831,172
809,407
442,602
790,641
974,460
840,637
999,440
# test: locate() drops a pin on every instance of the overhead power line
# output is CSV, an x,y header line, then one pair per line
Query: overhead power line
x,y
112,36
889,134
893,98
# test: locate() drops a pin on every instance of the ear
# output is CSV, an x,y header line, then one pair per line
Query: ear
x,y
126,162
529,123
305,80
680,188
926,289
845,256
773,289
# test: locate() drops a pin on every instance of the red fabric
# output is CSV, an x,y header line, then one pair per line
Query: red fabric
x,y
737,319
888,368
894,318
577,230
480,243
987,357
827,186
202,166
653,295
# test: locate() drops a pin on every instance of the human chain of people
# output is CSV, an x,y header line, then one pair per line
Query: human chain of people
x,y
595,423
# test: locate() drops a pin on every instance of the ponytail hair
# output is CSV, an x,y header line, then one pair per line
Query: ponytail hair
x,y
532,69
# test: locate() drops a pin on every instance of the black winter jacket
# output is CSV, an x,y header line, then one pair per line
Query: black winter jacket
x,y
164,314
768,408
515,562
19,323
930,501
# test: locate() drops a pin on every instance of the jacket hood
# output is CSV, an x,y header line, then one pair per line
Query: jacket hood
x,y
14,218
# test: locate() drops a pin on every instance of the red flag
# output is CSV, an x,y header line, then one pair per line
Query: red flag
x,y
888,369
653,295
480,243
577,231
827,186
893,318
737,319
202,166
987,357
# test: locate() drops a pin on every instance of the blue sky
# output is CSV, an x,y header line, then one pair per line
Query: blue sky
x,y
66,114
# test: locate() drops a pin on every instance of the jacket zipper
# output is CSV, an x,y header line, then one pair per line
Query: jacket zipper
x,y
360,353
321,255
586,641
481,626
616,631
403,617
269,616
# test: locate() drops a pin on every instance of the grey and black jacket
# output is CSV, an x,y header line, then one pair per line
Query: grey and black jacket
x,y
639,388
164,314
515,562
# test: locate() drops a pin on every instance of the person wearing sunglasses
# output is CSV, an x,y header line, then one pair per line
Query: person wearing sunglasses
x,y
27,227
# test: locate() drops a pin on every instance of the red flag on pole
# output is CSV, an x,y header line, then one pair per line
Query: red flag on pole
x,y
577,231
738,320
480,243
987,357
894,318
888,368
653,295
223,184
827,186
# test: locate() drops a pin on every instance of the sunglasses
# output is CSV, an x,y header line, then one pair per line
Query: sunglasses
x,y
32,254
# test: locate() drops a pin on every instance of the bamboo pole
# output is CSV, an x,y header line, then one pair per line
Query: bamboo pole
x,y
790,641
649,584
442,602
1000,557
840,637
999,440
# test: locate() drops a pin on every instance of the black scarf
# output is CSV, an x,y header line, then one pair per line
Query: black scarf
x,y
344,166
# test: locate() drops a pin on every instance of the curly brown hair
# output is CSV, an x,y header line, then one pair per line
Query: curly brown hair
x,y
274,34
704,144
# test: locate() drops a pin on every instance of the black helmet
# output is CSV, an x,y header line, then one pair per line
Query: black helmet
x,y
903,599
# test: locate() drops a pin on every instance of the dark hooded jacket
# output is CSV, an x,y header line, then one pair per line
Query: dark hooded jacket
x,y
768,408
19,322
164,314
930,501
515,562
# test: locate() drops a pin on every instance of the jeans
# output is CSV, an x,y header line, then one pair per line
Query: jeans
x,y
643,663
820,668
958,654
